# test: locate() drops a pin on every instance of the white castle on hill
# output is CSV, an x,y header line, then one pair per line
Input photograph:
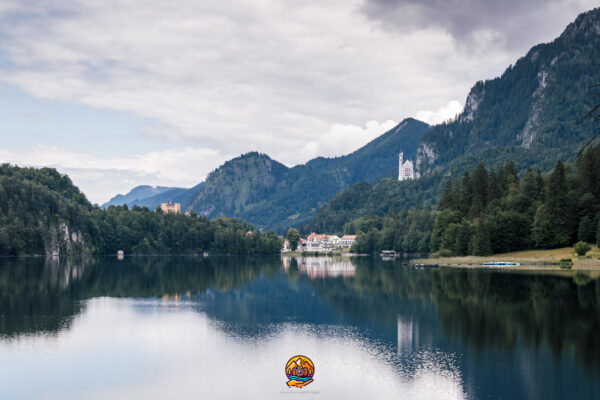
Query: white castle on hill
x,y
406,169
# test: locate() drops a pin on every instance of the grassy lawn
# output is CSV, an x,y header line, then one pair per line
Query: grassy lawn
x,y
530,257
557,254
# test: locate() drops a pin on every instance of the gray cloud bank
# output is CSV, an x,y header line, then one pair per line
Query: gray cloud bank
x,y
514,24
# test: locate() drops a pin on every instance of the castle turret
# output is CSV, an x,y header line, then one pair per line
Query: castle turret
x,y
400,161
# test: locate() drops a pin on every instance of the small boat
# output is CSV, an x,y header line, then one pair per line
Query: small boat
x,y
388,255
426,266
501,264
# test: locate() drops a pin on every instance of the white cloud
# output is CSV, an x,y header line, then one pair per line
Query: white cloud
x,y
339,140
291,79
443,114
100,178
235,76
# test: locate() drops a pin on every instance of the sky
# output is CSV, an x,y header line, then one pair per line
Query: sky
x,y
121,93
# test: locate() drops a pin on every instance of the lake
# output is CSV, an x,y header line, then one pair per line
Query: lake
x,y
224,327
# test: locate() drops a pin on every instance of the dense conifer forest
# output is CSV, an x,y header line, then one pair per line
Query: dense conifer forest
x,y
495,211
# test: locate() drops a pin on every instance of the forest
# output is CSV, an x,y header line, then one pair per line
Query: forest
x,y
496,211
41,209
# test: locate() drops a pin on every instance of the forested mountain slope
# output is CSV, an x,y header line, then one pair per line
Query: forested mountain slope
x,y
533,114
267,193
271,195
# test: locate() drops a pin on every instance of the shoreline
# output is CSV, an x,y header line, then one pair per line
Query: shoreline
x,y
529,260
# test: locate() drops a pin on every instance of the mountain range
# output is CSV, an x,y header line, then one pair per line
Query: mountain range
x,y
271,195
533,114
152,196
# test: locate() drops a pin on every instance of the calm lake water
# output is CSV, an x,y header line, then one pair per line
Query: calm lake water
x,y
224,327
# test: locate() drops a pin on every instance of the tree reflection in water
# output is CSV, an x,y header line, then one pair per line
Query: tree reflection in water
x,y
479,308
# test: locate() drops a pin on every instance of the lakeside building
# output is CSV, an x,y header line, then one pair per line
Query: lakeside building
x,y
170,207
347,240
317,242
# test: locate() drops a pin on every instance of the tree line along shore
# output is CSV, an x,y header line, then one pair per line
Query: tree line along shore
x,y
485,212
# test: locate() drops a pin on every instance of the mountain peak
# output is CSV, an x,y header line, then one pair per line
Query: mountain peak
x,y
253,154
587,23
138,194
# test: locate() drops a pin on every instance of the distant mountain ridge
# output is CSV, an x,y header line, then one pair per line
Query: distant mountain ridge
x,y
256,188
152,196
271,195
140,193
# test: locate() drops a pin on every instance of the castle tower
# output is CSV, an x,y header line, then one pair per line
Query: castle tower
x,y
400,161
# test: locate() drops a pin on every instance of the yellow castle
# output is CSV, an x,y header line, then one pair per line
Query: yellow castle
x,y
170,207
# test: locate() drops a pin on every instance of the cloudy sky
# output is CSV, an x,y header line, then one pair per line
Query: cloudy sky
x,y
120,93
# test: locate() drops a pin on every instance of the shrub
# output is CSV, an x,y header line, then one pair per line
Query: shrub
x,y
566,263
581,248
582,279
442,253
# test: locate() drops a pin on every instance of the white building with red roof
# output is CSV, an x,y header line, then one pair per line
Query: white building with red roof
x,y
319,242
347,240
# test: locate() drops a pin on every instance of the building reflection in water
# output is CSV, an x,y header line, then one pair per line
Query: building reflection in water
x,y
407,336
321,267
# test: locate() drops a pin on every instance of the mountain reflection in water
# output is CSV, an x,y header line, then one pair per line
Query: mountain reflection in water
x,y
388,329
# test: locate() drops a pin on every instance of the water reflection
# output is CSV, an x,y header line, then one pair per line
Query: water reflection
x,y
173,326
320,267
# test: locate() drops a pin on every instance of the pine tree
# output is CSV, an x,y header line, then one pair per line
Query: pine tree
x,y
539,179
512,177
447,200
462,239
494,191
598,233
587,170
529,186
587,230
479,191
480,244
502,184
465,195
542,233
557,205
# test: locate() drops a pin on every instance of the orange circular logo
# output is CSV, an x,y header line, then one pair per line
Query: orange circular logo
x,y
300,371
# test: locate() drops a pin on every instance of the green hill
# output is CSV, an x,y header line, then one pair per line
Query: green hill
x,y
43,213
270,195
40,213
